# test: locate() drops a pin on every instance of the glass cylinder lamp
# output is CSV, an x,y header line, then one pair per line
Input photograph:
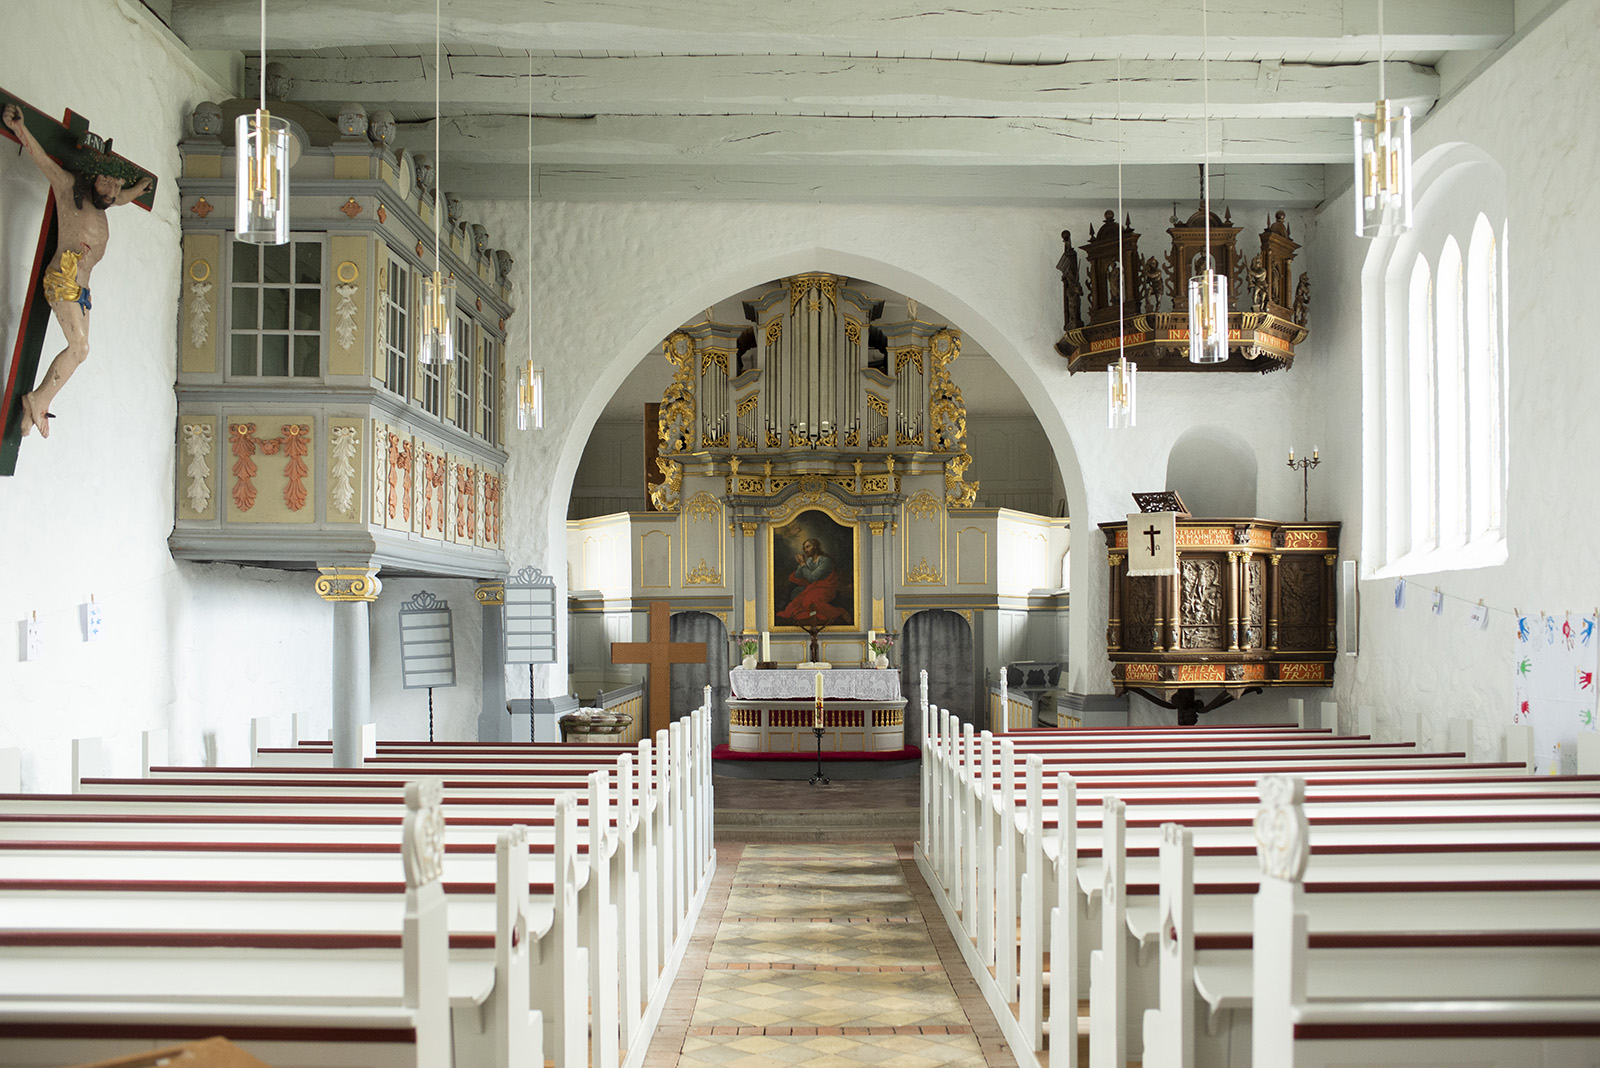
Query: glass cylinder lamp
x,y
438,310
530,397
1383,172
1208,317
261,189
1121,383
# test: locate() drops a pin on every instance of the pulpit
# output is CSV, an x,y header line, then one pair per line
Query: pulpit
x,y
772,711
1251,607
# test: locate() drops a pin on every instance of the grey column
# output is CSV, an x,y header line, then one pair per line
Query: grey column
x,y
351,591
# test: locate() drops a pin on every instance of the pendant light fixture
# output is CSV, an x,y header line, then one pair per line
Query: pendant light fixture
x,y
1121,376
530,380
261,182
438,290
1383,163
1208,290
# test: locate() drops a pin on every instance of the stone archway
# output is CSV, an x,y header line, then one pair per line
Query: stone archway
x,y
941,642
690,680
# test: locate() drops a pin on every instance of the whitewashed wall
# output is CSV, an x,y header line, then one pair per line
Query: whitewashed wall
x,y
199,649
1533,113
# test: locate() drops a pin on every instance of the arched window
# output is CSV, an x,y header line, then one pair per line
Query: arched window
x,y
1437,382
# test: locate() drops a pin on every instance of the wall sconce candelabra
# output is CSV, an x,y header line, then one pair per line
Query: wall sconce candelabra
x,y
1304,466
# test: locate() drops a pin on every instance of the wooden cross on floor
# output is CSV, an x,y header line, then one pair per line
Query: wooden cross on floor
x,y
65,142
659,654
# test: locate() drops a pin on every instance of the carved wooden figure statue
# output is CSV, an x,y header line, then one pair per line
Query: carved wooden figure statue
x,y
82,199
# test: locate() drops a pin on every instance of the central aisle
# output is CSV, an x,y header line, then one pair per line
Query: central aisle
x,y
828,955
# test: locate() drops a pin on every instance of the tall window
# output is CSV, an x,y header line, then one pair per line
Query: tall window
x,y
1439,381
489,391
275,324
397,327
463,376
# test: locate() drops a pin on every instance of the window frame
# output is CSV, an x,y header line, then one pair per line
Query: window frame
x,y
290,331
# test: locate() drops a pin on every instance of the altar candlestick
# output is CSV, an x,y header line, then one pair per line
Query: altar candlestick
x,y
816,714
766,648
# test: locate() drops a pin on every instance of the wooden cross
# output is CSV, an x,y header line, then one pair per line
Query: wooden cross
x,y
659,654
63,141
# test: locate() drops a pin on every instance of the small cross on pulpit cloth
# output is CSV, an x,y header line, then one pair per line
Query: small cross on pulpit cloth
x,y
1153,543
659,654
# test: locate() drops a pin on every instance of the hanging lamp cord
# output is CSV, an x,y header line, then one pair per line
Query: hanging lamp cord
x,y
1205,160
437,162
1122,274
263,71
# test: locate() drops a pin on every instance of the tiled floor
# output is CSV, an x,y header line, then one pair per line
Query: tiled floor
x,y
823,955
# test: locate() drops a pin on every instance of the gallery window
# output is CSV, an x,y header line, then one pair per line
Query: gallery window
x,y
275,317
1438,379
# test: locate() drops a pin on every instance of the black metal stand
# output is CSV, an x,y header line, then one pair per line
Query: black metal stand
x,y
530,701
430,713
1304,466
819,779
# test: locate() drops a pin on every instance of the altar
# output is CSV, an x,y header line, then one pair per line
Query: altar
x,y
771,711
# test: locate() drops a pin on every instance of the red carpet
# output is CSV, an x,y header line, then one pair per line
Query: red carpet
x,y
910,752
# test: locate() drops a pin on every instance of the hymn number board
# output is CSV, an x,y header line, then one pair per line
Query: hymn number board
x,y
427,643
530,618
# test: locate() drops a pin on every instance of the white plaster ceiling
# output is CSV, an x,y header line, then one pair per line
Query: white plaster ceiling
x,y
894,100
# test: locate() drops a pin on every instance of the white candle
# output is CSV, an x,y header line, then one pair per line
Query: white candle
x,y
872,636
766,648
816,714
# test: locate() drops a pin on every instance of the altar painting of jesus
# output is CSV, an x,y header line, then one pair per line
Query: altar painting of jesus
x,y
813,572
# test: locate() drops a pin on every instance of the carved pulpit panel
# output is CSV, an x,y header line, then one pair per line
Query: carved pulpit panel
x,y
1252,606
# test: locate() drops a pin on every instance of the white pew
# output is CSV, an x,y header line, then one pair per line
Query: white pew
x,y
387,1010
1291,1030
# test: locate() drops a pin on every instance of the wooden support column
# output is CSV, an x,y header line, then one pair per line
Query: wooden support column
x,y
1234,586
1329,585
1273,599
350,590
1114,609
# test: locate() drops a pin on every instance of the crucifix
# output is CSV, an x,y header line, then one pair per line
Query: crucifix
x,y
81,166
1151,534
659,654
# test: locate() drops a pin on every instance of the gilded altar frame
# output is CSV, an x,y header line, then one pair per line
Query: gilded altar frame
x,y
782,541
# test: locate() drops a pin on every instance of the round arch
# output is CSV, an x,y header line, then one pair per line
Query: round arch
x,y
1214,470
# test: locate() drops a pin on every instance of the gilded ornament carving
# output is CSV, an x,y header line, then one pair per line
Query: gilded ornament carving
x,y
875,484
959,494
923,505
748,405
675,424
773,441
348,583
852,439
924,574
904,356
774,331
342,445
902,438
876,528
703,575
703,506
817,286
752,484
1282,833
197,447
664,494
748,529
852,331
1115,559
490,593
878,404
714,358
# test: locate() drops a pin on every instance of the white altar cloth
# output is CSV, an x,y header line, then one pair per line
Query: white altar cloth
x,y
846,684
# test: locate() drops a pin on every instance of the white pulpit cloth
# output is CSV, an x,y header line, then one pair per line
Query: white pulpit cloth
x,y
843,684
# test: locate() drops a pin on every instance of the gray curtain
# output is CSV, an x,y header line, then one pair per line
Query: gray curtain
x,y
941,642
689,680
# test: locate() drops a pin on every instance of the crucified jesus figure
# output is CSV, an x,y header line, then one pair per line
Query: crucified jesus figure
x,y
82,200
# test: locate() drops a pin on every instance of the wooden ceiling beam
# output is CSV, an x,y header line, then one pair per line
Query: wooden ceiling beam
x,y
833,27
1288,187
609,140
804,85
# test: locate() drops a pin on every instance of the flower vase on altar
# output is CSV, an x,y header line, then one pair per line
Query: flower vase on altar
x,y
880,661
880,644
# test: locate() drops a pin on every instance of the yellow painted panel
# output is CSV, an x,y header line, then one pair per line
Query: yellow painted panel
x,y
202,165
352,166
272,466
352,302
200,327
